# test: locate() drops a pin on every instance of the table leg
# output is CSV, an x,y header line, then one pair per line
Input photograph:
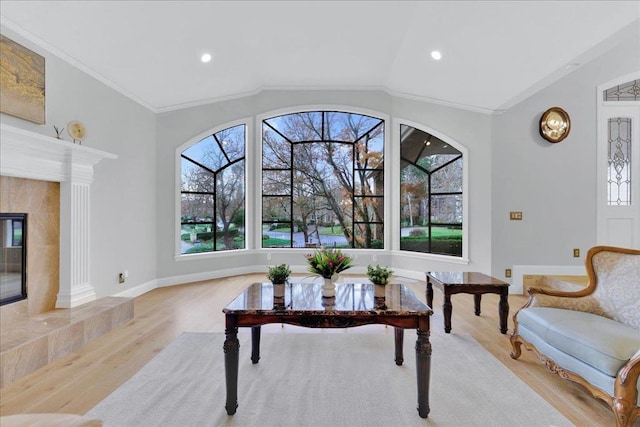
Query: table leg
x,y
503,309
476,303
429,293
255,344
447,309
399,333
423,366
231,351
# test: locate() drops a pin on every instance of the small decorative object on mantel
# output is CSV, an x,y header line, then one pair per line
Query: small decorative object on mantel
x,y
555,124
58,132
77,131
328,263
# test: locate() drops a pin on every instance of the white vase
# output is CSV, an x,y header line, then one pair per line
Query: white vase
x,y
378,291
278,290
328,287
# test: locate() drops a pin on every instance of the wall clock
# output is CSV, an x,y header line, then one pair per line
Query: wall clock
x,y
555,124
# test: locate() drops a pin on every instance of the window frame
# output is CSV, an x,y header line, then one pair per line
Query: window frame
x,y
395,194
248,162
386,120
253,186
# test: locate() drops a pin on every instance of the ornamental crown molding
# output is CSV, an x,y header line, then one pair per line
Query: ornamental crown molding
x,y
26,154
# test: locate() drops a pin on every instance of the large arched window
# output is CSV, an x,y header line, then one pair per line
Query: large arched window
x,y
322,180
431,194
213,193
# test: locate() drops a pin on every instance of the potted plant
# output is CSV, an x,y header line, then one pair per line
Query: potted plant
x,y
278,274
379,275
328,263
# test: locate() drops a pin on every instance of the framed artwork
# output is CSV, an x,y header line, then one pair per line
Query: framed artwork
x,y
22,85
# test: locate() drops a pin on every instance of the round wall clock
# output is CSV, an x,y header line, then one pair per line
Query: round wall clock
x,y
555,124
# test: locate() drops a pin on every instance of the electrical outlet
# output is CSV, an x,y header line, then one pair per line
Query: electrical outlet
x,y
269,257
515,216
121,278
576,253
374,258
507,272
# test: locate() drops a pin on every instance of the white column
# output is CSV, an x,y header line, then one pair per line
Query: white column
x,y
75,287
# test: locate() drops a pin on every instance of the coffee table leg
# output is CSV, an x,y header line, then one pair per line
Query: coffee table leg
x,y
423,366
477,298
399,332
429,292
503,309
231,351
447,308
255,344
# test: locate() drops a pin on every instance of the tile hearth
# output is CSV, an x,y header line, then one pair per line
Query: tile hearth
x,y
29,344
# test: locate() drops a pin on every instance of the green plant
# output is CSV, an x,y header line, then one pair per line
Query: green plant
x,y
327,262
379,275
278,274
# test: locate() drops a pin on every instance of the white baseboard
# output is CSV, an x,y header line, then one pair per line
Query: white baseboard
x,y
519,271
136,291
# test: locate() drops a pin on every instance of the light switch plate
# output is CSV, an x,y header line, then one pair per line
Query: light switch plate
x,y
515,216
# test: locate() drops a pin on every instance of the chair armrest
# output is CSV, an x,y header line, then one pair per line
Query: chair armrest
x,y
626,382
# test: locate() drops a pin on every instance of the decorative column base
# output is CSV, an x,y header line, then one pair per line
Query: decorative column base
x,y
78,295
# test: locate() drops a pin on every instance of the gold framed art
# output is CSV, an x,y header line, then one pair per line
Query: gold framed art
x,y
555,124
22,82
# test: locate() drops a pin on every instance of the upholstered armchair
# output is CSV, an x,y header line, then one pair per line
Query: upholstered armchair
x,y
591,335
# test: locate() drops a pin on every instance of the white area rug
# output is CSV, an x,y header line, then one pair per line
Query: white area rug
x,y
324,379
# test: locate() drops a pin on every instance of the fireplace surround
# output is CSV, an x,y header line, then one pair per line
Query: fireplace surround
x,y
26,154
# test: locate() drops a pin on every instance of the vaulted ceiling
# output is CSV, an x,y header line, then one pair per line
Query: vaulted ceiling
x,y
494,53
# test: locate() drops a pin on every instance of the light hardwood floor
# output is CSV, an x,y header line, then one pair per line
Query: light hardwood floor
x,y
80,380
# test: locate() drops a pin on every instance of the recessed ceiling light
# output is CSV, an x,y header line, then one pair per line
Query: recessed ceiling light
x,y
436,55
206,57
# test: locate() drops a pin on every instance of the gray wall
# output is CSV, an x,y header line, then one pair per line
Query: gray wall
x,y
554,185
511,168
123,206
469,129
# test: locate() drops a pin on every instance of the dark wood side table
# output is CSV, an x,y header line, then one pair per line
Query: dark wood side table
x,y
302,304
468,283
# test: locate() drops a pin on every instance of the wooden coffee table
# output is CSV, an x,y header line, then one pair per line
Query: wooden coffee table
x,y
302,304
468,283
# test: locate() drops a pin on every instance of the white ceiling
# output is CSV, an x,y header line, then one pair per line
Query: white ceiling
x,y
495,53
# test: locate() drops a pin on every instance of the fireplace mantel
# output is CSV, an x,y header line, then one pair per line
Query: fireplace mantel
x,y
26,154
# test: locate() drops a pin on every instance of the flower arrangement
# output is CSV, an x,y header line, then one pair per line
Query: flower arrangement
x,y
379,275
278,274
327,262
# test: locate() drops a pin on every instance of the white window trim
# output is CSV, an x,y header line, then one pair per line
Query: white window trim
x,y
253,186
248,177
395,191
603,108
321,107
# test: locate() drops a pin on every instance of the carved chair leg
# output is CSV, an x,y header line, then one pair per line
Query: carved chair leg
x,y
622,411
515,345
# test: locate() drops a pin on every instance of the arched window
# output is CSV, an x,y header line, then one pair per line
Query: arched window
x,y
323,180
213,193
431,184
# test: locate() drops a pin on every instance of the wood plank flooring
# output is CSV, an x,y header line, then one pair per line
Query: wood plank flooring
x,y
80,380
